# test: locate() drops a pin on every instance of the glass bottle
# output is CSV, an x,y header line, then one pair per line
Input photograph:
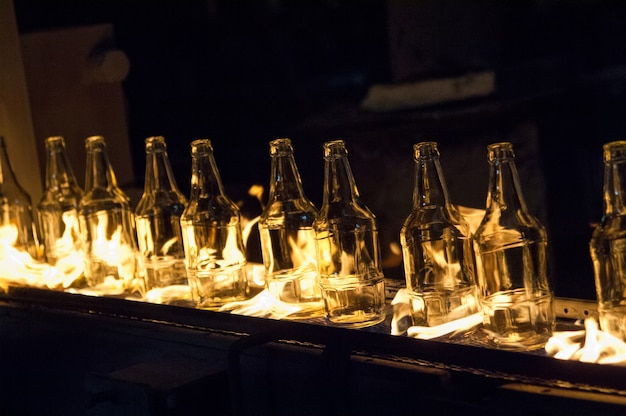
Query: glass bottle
x,y
58,214
212,235
348,251
608,244
516,298
287,237
437,248
157,217
19,228
112,262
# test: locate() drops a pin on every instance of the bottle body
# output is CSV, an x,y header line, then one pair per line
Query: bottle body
x,y
19,229
112,263
347,244
212,236
58,214
287,237
516,299
437,249
157,218
608,244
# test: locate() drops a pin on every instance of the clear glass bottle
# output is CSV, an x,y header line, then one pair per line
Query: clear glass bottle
x,y
157,217
437,250
608,244
113,266
516,298
58,214
18,222
287,237
212,235
348,251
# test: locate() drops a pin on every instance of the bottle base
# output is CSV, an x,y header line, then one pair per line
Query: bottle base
x,y
432,308
354,304
211,290
514,322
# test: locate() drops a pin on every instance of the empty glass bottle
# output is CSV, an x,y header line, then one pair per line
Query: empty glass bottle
x,y
287,237
437,248
112,262
516,298
58,213
212,235
608,244
19,228
158,220
348,251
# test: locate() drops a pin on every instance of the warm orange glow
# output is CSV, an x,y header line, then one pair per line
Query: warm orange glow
x,y
69,257
18,267
590,345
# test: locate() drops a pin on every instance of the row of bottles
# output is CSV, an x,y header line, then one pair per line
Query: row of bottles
x,y
499,269
121,251
326,261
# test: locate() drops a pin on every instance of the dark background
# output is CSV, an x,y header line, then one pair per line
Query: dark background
x,y
244,72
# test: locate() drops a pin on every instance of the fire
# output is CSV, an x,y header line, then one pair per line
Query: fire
x,y
590,345
265,305
69,252
401,322
19,267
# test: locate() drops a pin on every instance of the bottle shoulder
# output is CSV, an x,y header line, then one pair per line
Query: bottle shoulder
x,y
289,207
105,197
59,199
610,227
215,208
160,199
509,229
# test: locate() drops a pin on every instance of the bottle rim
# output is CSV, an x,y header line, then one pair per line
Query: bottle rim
x,y
54,140
335,149
500,151
615,150
425,150
200,146
155,143
280,146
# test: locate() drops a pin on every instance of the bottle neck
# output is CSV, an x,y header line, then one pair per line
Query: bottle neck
x,y
99,173
7,176
59,173
430,189
614,187
159,175
504,192
285,180
205,178
339,184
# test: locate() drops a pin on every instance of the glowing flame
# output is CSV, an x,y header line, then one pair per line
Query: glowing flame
x,y
401,321
120,267
69,251
589,345
18,266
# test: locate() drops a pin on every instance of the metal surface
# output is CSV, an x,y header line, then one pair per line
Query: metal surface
x,y
112,339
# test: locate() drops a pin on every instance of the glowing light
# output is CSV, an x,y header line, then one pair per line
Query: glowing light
x,y
590,345
19,267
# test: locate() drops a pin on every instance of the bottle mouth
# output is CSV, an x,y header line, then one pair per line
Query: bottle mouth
x,y
280,147
94,142
614,151
155,144
423,150
500,151
335,149
201,146
54,140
